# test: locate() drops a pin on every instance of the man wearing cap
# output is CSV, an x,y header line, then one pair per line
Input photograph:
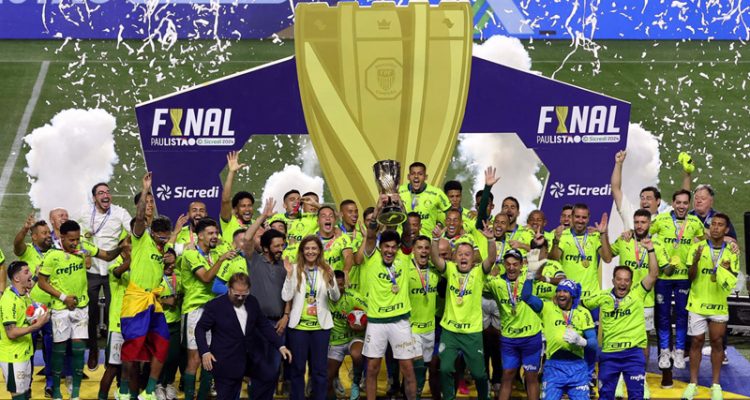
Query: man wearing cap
x,y
569,329
521,341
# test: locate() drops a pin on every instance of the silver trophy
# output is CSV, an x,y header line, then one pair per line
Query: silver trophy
x,y
388,178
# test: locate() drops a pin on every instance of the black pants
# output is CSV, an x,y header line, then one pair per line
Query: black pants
x,y
96,282
227,388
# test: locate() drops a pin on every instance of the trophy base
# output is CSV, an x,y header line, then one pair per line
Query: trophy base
x,y
392,216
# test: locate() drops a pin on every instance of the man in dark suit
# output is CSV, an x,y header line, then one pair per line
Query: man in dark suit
x,y
234,320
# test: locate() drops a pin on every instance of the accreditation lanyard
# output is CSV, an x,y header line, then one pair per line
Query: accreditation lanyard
x,y
101,225
423,278
717,260
312,281
679,231
581,247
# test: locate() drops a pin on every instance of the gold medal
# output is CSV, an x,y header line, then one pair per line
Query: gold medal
x,y
310,299
394,288
460,300
513,311
675,260
585,263
88,235
713,277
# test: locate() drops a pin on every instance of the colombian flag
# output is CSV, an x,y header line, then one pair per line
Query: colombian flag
x,y
144,327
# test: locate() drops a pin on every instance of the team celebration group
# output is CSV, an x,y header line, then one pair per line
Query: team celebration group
x,y
449,296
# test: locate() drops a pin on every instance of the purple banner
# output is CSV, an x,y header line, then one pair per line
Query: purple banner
x,y
575,132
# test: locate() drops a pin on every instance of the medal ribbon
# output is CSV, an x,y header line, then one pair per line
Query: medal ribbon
x,y
581,248
462,289
717,260
104,221
679,231
172,284
206,256
38,251
639,259
424,279
327,243
615,299
312,281
568,318
512,293
392,274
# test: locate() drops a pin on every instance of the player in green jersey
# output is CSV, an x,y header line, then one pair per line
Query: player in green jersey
x,y
713,275
624,337
298,223
236,211
184,236
16,346
462,319
232,266
201,266
677,231
536,222
423,280
171,299
347,337
384,269
521,341
518,237
348,226
63,276
569,331
454,190
118,281
337,246
423,198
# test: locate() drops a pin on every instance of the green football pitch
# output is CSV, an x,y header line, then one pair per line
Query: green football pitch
x,y
692,95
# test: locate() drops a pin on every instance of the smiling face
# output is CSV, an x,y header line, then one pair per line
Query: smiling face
x,y
464,257
510,208
41,237
453,223
291,202
580,219
621,282
70,241
500,225
512,268
388,251
57,217
208,237
536,220
680,205
649,201
564,299
102,198
702,201
415,224
422,252
244,210
311,251
196,212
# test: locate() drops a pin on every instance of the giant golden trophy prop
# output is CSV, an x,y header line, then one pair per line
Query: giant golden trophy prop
x,y
382,82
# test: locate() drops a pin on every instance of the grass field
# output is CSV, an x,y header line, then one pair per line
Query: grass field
x,y
693,95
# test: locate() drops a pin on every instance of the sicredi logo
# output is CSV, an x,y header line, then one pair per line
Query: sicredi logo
x,y
559,189
192,127
577,124
164,192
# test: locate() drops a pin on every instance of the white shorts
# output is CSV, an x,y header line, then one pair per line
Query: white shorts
x,y
398,334
17,376
68,324
114,348
340,351
490,314
648,315
698,323
191,321
425,343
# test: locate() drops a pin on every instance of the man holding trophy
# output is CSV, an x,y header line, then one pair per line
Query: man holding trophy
x,y
385,269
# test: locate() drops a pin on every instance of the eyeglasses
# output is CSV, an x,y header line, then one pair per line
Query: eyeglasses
x,y
236,294
102,192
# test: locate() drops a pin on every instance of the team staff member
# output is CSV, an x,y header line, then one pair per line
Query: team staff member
x,y
423,198
16,347
309,286
63,276
624,336
462,319
384,269
423,280
634,255
569,330
233,320
103,224
677,231
713,275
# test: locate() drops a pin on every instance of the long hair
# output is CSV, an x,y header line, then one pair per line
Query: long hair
x,y
319,262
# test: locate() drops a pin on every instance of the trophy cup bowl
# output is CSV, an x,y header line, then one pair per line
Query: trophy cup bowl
x,y
388,178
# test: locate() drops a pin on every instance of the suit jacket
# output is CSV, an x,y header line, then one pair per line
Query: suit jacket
x,y
230,347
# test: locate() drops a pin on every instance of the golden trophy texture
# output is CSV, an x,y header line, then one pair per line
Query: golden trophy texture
x,y
388,178
383,82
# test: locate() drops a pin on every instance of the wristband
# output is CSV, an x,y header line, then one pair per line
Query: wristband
x,y
546,279
436,239
650,251
373,224
62,297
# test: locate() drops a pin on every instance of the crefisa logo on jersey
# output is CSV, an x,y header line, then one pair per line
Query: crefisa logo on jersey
x,y
165,192
192,127
559,189
577,124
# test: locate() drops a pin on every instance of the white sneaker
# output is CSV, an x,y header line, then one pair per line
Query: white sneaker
x,y
664,359
171,392
725,361
706,351
69,384
160,392
679,359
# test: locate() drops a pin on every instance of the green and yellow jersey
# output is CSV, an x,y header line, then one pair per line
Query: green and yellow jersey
x,y
297,228
333,250
429,203
349,301
387,288
517,319
634,256
423,297
33,256
117,288
544,290
67,273
147,264
708,292
580,259
171,286
197,292
463,299
623,325
677,236
13,312
554,323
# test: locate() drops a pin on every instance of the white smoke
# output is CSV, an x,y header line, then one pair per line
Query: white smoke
x,y
310,164
68,156
516,165
291,177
